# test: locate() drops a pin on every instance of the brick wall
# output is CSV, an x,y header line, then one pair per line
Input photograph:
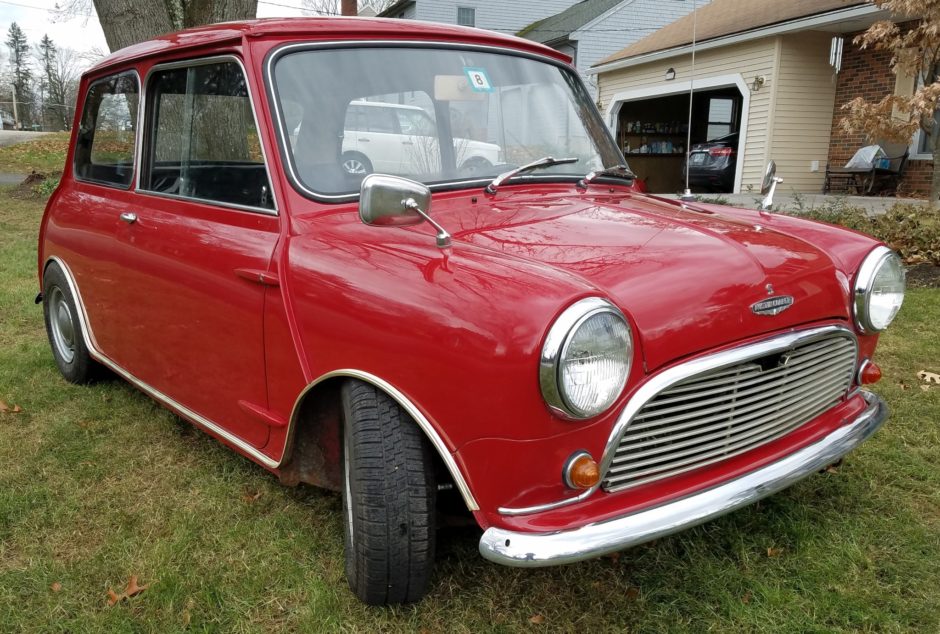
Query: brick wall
x,y
867,73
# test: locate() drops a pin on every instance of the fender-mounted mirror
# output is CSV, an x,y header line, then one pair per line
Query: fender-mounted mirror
x,y
769,186
393,201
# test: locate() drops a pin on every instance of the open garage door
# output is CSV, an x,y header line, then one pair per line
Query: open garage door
x,y
653,132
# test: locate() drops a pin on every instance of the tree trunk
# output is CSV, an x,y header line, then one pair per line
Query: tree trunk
x,y
127,22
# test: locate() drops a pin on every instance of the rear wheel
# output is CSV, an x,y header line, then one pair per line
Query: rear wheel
x,y
64,329
389,493
356,163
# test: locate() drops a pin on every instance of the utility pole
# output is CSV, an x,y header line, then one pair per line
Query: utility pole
x,y
349,7
16,116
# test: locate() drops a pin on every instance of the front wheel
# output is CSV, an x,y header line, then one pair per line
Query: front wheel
x,y
356,164
389,494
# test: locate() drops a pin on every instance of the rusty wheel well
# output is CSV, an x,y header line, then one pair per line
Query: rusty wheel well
x,y
316,447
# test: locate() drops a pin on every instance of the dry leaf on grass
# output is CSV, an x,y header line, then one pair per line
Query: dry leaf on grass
x,y
537,619
774,552
55,587
746,598
632,593
925,388
132,589
929,377
250,497
832,468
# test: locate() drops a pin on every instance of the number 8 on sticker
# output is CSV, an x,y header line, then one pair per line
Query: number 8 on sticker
x,y
479,81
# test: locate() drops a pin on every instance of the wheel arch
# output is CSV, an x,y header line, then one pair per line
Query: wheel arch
x,y
319,405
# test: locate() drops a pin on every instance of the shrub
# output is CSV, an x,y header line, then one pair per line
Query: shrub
x,y
911,230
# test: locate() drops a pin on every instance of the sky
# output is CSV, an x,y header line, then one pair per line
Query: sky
x,y
83,33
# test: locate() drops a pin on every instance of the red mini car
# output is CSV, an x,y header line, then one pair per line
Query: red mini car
x,y
244,231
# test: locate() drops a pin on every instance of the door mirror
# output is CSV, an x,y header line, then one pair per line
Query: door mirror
x,y
769,175
383,201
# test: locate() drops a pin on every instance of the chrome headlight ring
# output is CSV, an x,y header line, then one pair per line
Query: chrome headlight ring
x,y
882,273
563,362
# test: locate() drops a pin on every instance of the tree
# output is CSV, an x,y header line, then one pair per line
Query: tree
x,y
915,52
59,77
127,22
22,75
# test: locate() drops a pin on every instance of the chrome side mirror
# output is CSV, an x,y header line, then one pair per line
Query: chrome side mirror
x,y
392,201
769,186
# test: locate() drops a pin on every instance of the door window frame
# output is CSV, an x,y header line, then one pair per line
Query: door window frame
x,y
146,129
135,158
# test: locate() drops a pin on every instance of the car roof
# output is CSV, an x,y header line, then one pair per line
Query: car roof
x,y
319,29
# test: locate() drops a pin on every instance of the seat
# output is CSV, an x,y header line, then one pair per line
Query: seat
x,y
882,177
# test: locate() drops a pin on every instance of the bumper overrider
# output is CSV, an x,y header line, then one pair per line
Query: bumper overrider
x,y
532,550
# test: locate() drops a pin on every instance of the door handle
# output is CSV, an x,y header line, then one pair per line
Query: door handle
x,y
129,217
407,143
361,140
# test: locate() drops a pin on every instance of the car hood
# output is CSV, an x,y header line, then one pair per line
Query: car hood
x,y
686,278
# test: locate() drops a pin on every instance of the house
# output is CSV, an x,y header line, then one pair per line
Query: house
x,y
775,73
495,15
590,30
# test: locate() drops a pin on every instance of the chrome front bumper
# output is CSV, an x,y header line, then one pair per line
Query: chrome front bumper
x,y
531,550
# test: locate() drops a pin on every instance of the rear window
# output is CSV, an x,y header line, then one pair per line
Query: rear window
x,y
104,149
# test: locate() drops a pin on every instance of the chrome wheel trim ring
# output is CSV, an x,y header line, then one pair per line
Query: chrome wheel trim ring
x,y
62,325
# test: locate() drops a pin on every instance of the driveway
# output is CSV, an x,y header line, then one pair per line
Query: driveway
x,y
11,137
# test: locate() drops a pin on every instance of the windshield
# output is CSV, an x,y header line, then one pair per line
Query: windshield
x,y
440,116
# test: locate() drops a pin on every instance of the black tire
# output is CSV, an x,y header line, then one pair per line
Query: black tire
x,y
65,330
356,164
389,495
476,166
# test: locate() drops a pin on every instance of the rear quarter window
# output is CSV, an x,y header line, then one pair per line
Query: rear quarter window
x,y
104,147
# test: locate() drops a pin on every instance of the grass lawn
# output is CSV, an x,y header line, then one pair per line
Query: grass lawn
x,y
46,155
99,483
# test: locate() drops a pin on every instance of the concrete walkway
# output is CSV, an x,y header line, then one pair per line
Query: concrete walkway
x,y
12,137
793,201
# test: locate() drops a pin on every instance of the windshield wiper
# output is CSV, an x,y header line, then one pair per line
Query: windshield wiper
x,y
617,171
545,161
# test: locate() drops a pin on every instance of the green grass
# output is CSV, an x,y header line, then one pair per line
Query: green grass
x,y
46,155
99,483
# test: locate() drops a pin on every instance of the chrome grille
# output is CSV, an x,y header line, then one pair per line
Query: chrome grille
x,y
726,411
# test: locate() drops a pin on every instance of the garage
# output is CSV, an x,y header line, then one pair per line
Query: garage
x,y
653,132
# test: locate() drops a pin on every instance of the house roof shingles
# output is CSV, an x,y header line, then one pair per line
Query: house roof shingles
x,y
727,17
560,25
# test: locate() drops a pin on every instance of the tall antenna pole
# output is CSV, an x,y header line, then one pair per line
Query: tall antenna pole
x,y
687,194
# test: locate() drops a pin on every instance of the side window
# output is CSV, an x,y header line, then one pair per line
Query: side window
x,y
104,149
202,141
381,120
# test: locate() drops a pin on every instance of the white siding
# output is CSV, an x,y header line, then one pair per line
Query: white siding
x,y
804,100
620,27
496,15
748,60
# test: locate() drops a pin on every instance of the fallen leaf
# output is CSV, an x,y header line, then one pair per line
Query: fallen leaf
x,y
537,619
929,377
250,497
614,556
632,593
904,386
4,408
16,409
55,587
774,552
746,598
925,388
131,590
832,469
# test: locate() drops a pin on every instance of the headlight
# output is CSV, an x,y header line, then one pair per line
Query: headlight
x,y
879,290
586,359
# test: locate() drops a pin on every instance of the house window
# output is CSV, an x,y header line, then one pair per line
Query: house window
x,y
720,117
466,16
922,147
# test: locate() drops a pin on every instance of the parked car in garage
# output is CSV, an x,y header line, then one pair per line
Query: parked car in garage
x,y
582,366
712,165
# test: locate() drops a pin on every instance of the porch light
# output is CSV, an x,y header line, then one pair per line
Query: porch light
x,y
670,74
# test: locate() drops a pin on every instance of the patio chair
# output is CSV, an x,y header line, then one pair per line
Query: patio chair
x,y
883,176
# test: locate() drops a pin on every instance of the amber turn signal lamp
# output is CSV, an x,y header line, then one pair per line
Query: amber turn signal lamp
x,y
870,373
581,472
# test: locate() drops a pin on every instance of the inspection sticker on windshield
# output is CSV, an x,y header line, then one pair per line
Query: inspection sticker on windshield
x,y
479,81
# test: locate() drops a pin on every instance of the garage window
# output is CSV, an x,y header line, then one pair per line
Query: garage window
x,y
104,149
720,117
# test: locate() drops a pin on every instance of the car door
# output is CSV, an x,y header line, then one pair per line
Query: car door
x,y
381,141
199,238
421,156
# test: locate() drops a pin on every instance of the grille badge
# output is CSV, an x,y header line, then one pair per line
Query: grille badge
x,y
772,305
